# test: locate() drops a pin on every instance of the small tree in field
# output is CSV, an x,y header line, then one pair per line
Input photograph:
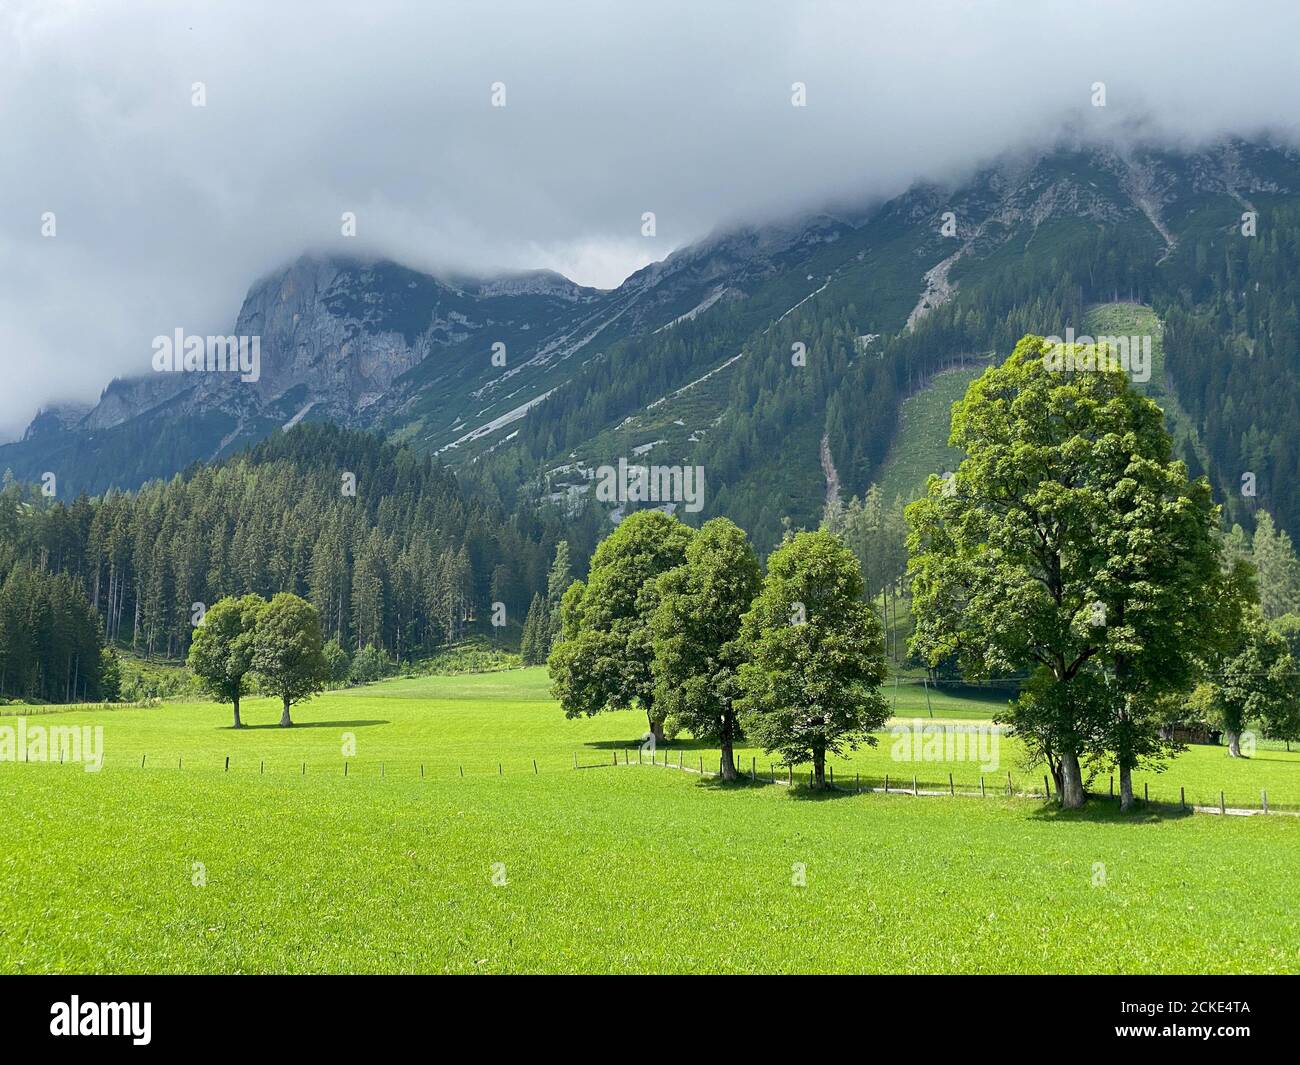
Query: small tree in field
x,y
221,653
1256,682
816,656
288,654
696,632
603,658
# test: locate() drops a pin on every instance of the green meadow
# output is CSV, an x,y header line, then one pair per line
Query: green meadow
x,y
461,838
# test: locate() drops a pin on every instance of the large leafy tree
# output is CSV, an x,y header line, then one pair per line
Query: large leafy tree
x,y
696,633
288,654
221,651
1070,545
603,658
815,655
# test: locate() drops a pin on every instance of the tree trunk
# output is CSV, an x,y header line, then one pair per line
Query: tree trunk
x,y
1125,787
728,761
238,723
819,769
656,728
1234,744
284,717
1071,786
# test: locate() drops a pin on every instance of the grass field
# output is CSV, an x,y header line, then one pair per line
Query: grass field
x,y
627,868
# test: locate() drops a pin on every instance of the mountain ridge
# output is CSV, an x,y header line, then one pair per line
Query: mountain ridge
x,y
500,374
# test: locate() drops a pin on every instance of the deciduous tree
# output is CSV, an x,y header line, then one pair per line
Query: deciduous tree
x,y
815,655
603,658
221,649
696,632
1070,545
288,654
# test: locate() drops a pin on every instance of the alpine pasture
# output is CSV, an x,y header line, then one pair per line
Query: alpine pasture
x,y
439,824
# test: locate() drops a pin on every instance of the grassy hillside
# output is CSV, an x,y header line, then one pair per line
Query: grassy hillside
x,y
608,868
1137,319
921,447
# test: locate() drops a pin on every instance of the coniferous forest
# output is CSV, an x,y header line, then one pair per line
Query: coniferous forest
x,y
407,564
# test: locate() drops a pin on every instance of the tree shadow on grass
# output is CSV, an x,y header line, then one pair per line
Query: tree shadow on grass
x,y
1101,810
805,793
309,724
713,782
1287,758
799,792
631,744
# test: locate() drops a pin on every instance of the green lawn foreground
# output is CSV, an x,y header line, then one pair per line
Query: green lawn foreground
x,y
606,869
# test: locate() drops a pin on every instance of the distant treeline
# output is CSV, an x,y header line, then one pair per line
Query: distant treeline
x,y
406,563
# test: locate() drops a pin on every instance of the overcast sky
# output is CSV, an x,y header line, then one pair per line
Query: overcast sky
x,y
165,211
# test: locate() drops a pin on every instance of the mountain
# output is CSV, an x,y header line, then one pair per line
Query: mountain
x,y
694,360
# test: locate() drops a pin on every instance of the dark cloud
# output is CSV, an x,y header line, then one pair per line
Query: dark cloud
x,y
166,211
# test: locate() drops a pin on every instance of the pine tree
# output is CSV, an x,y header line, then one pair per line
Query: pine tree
x,y
535,643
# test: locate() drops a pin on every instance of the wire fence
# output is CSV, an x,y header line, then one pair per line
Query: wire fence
x,y
1163,794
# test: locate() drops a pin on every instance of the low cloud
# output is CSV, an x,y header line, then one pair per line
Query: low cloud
x,y
166,211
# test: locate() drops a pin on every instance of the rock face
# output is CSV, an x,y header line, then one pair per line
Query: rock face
x,y
450,362
56,418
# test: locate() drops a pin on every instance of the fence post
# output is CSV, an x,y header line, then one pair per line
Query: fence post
x,y
142,757
345,769
575,759
1182,798
260,769
886,783
701,765
500,772
462,772
227,763
1008,782
534,767
791,776
304,769
1146,792
951,789
1046,786
857,783
981,787
1223,807
832,769
681,755
915,789
1112,785
1264,795
753,769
